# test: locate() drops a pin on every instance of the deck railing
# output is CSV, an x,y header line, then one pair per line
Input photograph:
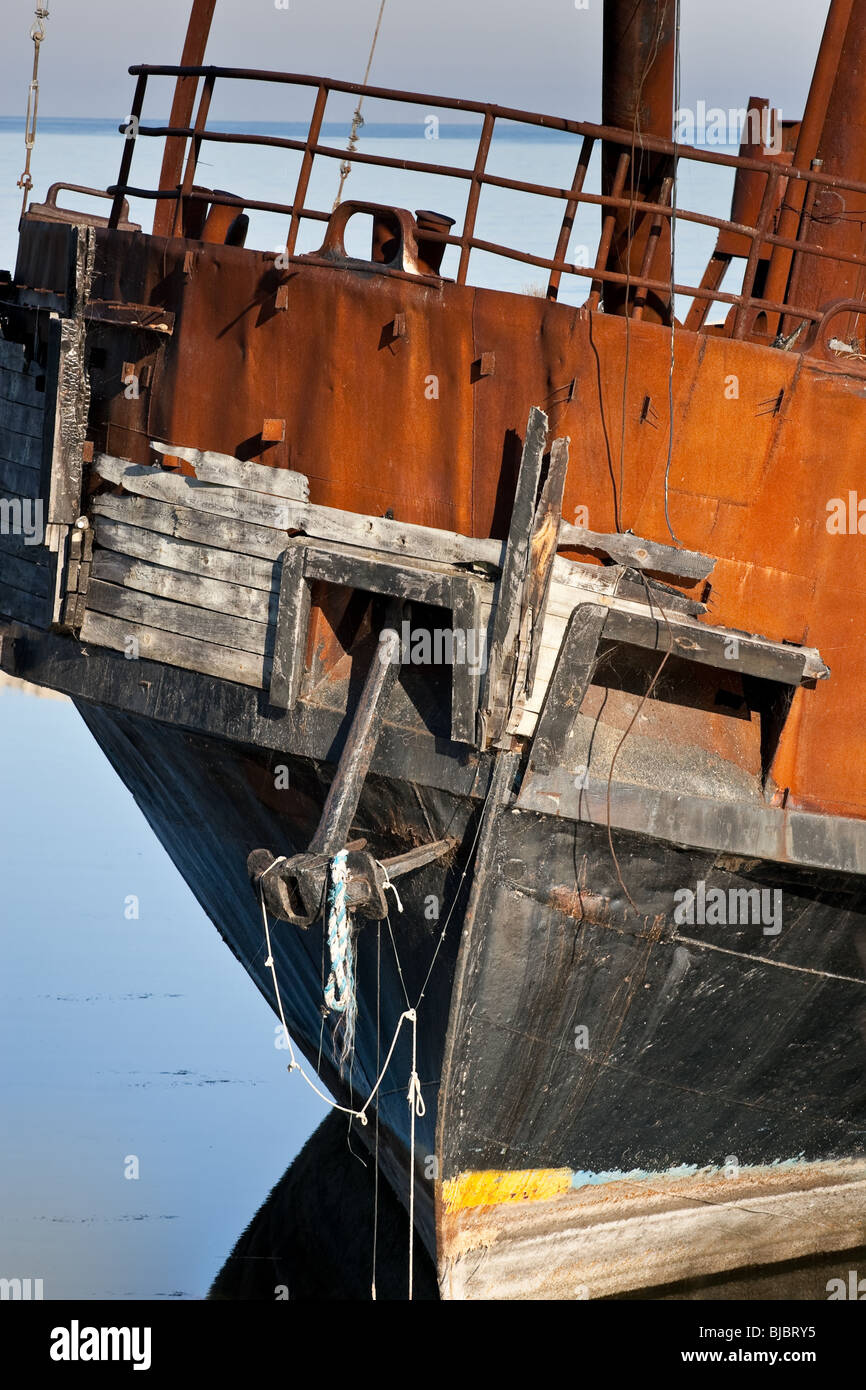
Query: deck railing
x,y
745,303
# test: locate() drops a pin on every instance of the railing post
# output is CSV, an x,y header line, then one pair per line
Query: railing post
x,y
650,250
768,205
128,149
194,150
569,214
474,194
608,230
192,56
306,169
785,325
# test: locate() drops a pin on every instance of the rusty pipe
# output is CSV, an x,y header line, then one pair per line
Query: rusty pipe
x,y
811,127
638,95
197,34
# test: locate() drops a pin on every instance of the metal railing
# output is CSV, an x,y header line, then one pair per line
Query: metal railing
x,y
745,303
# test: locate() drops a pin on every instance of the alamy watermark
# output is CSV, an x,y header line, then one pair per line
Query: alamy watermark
x,y
77,1343
23,1290
22,516
703,906
703,125
439,646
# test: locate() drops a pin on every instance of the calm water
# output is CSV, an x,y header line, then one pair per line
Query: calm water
x,y
124,1038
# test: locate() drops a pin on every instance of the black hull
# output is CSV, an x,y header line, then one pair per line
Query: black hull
x,y
705,1045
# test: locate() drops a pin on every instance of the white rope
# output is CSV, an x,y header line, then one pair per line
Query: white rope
x,y
416,1107
358,119
340,987
294,1064
388,884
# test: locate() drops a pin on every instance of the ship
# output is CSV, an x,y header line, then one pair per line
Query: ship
x,y
489,665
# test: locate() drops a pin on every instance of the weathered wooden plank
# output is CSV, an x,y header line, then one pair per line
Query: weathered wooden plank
x,y
379,573
567,687
330,523
221,534
150,317
754,656
23,449
341,803
227,471
213,594
21,388
144,609
243,668
23,574
148,545
23,605
637,553
321,523
16,478
68,388
466,675
542,552
237,503
506,618
290,642
23,419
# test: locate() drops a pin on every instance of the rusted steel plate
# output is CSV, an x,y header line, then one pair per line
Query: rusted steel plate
x,y
411,426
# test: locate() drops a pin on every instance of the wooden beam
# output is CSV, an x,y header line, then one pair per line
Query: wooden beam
x,y
465,676
192,56
345,791
290,642
322,523
554,732
496,698
228,471
636,553
542,553
379,573
721,647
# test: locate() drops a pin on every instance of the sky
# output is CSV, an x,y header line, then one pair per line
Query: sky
x,y
544,55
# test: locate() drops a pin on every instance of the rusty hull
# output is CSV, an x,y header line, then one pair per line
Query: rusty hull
x,y
423,418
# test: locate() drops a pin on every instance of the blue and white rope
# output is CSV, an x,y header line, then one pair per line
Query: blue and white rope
x,y
340,987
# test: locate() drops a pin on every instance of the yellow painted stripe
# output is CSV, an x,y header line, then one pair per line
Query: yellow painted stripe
x,y
491,1187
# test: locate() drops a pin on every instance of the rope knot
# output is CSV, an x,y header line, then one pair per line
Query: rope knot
x,y
388,884
414,1096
